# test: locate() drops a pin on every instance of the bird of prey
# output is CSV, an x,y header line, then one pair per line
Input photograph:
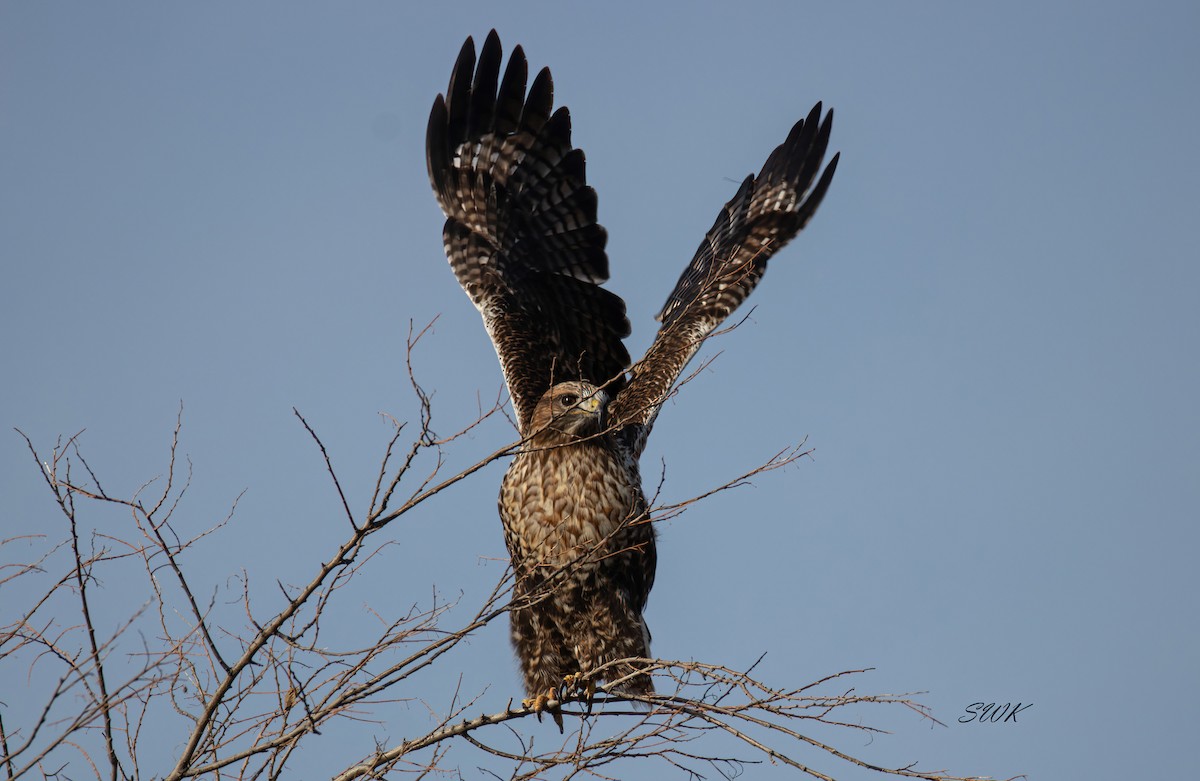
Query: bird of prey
x,y
522,239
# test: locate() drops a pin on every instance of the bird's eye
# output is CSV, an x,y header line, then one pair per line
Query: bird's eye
x,y
568,399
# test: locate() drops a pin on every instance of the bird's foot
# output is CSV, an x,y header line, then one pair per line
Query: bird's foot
x,y
579,683
540,704
574,684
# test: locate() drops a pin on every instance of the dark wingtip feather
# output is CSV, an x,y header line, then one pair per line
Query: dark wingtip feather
x,y
511,97
559,126
437,152
818,193
828,175
483,88
805,164
824,132
464,69
786,160
814,114
458,94
539,102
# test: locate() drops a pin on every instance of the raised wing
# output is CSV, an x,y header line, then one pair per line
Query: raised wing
x,y
767,211
521,232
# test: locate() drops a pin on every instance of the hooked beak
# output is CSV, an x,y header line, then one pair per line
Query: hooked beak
x,y
593,404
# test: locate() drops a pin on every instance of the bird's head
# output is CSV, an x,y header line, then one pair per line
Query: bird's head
x,y
575,409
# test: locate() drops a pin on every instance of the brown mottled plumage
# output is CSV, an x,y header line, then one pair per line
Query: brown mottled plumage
x,y
583,551
523,241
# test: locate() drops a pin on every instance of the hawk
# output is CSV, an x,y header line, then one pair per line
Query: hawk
x,y
522,239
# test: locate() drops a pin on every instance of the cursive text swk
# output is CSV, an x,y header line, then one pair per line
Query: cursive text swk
x,y
990,711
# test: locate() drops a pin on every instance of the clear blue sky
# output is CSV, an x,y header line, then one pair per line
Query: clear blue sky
x,y
988,333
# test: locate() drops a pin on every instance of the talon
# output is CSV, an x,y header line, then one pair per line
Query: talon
x,y
575,684
540,703
571,684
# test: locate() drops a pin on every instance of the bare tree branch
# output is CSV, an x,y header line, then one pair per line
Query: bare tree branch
x,y
241,695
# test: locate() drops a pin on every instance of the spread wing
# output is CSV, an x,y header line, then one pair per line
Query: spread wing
x,y
521,232
767,211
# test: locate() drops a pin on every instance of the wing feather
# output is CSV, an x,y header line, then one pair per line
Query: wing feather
x,y
521,232
767,211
